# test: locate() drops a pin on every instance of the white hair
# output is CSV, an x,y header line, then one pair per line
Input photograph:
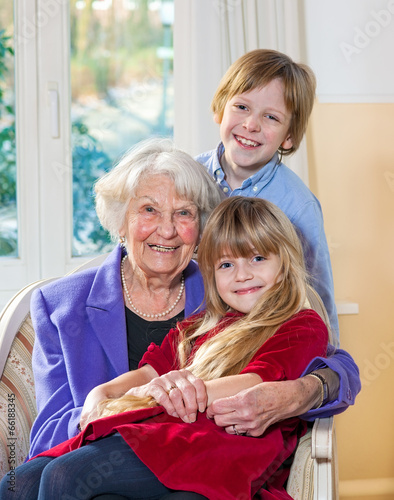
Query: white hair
x,y
153,157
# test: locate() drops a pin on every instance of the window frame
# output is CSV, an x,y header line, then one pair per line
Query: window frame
x,y
15,273
44,166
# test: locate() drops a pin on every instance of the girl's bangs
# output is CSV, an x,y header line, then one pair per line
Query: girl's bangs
x,y
239,240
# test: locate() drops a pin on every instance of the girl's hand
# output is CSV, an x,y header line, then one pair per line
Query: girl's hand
x,y
114,388
89,410
180,393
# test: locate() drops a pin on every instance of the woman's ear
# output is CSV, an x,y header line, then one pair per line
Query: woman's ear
x,y
122,232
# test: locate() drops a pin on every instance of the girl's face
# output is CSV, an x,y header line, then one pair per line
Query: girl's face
x,y
241,281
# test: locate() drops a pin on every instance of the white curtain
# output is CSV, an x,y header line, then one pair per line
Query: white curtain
x,y
217,33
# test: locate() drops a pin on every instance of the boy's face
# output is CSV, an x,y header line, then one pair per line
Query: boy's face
x,y
253,126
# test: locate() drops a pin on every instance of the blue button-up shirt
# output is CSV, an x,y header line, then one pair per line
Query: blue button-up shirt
x,y
278,184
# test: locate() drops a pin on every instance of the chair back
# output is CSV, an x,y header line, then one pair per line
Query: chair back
x,y
17,397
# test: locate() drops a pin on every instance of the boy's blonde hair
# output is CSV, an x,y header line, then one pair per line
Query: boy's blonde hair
x,y
259,67
238,226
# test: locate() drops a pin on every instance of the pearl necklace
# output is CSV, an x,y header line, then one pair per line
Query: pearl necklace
x,y
140,313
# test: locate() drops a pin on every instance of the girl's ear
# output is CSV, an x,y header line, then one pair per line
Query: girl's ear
x,y
287,143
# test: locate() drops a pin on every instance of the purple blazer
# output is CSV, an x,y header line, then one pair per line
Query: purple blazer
x,y
81,342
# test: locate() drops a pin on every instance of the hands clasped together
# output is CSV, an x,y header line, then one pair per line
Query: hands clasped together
x,y
179,392
250,412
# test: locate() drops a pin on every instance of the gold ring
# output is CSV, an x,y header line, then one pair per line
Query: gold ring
x,y
237,433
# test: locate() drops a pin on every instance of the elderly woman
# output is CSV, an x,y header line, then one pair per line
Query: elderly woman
x,y
95,325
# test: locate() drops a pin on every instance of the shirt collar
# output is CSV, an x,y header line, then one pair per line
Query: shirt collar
x,y
262,177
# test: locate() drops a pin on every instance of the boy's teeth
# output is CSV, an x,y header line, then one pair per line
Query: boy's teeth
x,y
247,142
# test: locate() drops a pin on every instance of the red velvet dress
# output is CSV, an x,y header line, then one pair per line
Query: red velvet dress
x,y
201,456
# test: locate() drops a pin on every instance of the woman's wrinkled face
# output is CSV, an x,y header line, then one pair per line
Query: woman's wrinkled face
x,y
161,229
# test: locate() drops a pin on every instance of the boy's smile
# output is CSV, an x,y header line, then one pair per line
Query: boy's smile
x,y
253,126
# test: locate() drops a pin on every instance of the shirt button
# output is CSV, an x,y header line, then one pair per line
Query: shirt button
x,y
255,189
151,347
225,190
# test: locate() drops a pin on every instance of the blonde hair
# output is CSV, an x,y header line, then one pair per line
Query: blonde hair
x,y
235,227
148,158
259,67
238,225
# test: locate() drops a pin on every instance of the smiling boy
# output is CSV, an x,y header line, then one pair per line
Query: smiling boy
x,y
262,106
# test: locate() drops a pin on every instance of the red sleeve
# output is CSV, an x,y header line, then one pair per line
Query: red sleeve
x,y
163,358
287,353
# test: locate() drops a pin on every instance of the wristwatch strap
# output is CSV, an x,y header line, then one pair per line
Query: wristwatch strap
x,y
324,388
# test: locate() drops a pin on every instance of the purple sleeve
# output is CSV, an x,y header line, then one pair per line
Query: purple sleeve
x,y
58,416
350,385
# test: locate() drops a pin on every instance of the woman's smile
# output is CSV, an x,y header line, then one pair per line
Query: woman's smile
x,y
161,248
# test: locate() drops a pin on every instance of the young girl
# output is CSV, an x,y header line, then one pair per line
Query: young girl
x,y
256,327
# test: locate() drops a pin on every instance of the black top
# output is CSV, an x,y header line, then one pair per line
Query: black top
x,y
141,333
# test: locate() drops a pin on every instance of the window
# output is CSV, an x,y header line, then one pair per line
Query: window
x,y
121,93
92,77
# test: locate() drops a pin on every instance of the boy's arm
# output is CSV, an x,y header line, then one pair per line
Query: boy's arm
x,y
310,228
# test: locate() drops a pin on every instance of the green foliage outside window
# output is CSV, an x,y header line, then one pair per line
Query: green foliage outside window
x,y
8,234
89,163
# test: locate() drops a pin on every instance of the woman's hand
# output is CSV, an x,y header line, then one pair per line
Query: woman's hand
x,y
253,410
179,392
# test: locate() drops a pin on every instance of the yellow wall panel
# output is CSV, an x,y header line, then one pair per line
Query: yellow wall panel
x,y
351,162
